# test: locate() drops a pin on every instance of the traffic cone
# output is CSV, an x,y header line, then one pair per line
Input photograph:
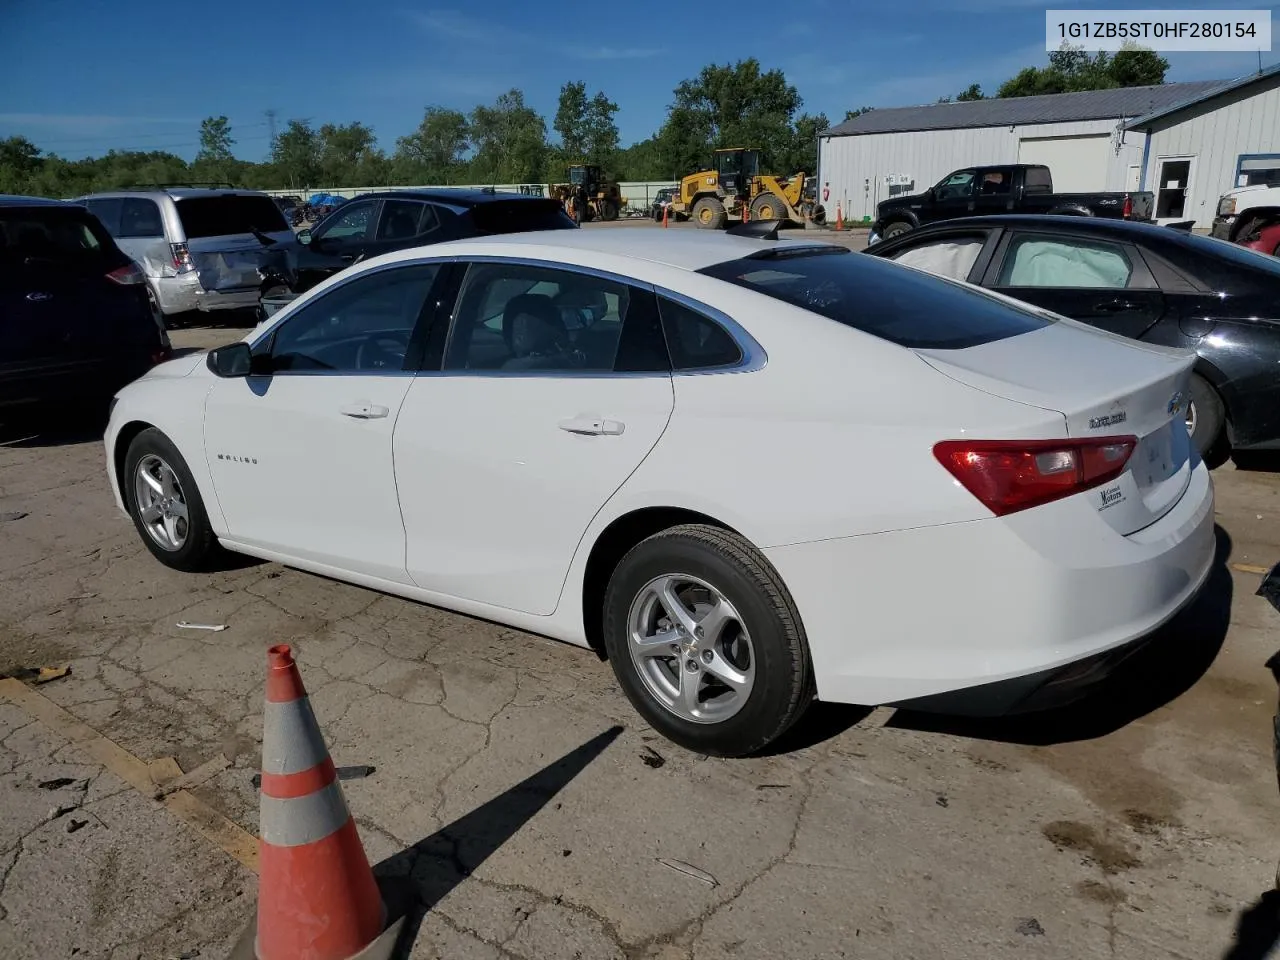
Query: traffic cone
x,y
745,213
317,897
665,208
839,217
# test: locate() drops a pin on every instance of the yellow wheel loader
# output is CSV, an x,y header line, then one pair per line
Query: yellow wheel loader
x,y
716,198
588,195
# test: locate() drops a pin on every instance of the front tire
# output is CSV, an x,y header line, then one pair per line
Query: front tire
x,y
165,504
768,207
709,213
896,229
706,642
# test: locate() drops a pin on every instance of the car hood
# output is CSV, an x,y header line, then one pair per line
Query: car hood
x,y
1251,188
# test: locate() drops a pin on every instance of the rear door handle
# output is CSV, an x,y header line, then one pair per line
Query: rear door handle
x,y
1116,306
592,426
364,410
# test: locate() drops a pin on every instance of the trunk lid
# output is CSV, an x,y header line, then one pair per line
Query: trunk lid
x,y
1102,385
219,230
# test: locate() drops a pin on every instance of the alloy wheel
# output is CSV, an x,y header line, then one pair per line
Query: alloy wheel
x,y
161,505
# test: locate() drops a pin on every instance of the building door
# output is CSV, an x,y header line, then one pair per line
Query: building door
x,y
1173,187
1077,164
1133,181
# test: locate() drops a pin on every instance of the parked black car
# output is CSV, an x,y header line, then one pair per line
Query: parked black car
x,y
1160,285
1009,188
378,223
76,319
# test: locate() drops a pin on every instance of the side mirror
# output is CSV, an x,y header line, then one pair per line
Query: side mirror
x,y
304,235
233,360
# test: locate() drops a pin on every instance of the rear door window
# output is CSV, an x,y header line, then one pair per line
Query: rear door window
x,y
952,257
1033,261
34,238
224,215
905,307
405,219
351,224
107,210
696,342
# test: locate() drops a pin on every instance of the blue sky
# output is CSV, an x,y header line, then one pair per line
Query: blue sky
x,y
79,77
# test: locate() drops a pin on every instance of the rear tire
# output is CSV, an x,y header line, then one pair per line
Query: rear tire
x,y
896,229
709,214
171,520
759,644
1207,422
608,211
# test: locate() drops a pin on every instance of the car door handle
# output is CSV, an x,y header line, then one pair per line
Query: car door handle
x,y
1116,306
592,426
364,410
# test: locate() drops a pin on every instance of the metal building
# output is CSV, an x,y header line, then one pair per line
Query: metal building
x,y
1193,139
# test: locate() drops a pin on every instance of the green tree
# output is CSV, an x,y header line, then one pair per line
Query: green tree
x,y
349,156
435,151
215,140
803,155
587,129
20,162
296,155
854,114
571,122
970,93
1134,66
1072,69
510,139
602,131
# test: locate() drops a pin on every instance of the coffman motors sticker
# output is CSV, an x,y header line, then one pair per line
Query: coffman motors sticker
x,y
1110,420
1110,496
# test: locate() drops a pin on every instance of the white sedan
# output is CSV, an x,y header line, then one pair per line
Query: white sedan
x,y
751,472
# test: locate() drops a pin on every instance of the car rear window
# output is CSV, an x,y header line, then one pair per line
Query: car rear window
x,y
898,304
69,236
518,216
223,215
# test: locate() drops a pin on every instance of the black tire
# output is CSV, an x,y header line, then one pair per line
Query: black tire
x,y
1207,421
200,548
768,207
608,211
896,229
709,214
782,688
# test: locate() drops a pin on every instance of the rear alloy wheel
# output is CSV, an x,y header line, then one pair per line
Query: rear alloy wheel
x,y
165,505
1206,421
709,213
705,641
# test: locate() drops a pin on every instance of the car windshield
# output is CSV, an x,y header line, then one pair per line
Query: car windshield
x,y
1233,252
226,214
518,216
66,236
898,304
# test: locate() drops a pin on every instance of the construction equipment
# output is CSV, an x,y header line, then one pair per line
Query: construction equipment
x,y
591,196
734,190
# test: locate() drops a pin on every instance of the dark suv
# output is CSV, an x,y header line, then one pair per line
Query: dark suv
x,y
377,223
76,321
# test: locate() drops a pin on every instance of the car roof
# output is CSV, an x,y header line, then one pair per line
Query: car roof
x,y
13,200
460,196
177,193
1100,226
685,249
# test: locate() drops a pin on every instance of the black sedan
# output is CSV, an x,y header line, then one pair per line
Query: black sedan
x,y
76,320
1156,284
377,223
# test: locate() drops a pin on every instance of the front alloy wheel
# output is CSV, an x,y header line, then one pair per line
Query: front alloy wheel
x,y
162,508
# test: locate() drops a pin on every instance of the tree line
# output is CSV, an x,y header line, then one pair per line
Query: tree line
x,y
508,141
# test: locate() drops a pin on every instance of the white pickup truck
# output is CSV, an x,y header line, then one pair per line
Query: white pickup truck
x,y
1244,208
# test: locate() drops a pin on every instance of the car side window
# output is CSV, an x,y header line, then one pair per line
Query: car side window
x,y
405,219
997,183
108,212
351,224
1053,262
957,186
696,342
952,257
140,217
362,326
514,317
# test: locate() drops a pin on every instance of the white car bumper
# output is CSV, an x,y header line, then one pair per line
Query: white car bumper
x,y
919,613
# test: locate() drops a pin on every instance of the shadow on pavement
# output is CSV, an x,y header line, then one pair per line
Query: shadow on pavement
x,y
1177,656
1257,460
1257,930
426,872
65,432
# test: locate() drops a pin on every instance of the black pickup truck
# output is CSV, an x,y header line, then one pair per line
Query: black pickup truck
x,y
1009,188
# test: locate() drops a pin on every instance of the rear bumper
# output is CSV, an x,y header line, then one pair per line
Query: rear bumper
x,y
184,293
913,614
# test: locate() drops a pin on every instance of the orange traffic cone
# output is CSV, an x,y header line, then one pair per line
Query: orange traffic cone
x,y
839,218
665,208
745,213
317,897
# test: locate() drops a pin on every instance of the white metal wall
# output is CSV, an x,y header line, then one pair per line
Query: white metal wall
x,y
1216,133
928,155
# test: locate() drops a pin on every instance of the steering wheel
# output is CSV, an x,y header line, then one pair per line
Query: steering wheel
x,y
382,351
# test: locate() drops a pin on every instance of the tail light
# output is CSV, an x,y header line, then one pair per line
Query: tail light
x,y
1012,475
1127,211
127,275
181,257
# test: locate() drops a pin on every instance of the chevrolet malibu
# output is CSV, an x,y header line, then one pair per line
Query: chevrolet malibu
x,y
751,472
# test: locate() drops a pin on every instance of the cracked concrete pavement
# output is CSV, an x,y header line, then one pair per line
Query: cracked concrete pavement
x,y
1140,823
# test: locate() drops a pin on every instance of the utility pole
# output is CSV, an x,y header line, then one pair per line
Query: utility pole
x,y
271,125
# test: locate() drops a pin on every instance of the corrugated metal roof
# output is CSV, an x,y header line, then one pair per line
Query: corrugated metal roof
x,y
1163,111
1123,102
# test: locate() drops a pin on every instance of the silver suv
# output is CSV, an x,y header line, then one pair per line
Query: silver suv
x,y
200,249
